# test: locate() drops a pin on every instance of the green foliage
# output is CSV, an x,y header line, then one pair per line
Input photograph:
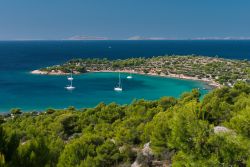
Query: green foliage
x,y
50,111
1,119
180,132
224,71
188,96
230,150
108,154
160,132
2,160
68,125
240,122
32,153
167,102
221,103
15,111
189,160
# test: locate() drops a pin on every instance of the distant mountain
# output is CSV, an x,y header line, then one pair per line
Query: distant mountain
x,y
87,38
149,38
136,38
156,38
221,38
198,38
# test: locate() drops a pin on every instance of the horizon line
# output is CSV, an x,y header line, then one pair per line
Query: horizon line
x,y
181,39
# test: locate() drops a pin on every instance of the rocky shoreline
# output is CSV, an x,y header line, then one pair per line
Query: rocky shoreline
x,y
59,72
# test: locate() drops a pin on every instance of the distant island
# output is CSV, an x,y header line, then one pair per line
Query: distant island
x,y
213,70
149,38
152,38
78,37
197,38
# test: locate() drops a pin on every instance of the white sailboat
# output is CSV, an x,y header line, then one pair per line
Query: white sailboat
x,y
130,76
119,87
70,78
70,87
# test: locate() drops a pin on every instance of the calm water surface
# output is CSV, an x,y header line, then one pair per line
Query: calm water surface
x,y
35,92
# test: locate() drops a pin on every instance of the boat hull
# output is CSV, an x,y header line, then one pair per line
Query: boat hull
x,y
129,77
118,89
69,87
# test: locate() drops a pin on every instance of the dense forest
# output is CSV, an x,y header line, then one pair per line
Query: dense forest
x,y
223,71
188,131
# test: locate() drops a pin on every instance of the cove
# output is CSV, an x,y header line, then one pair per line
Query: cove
x,y
39,92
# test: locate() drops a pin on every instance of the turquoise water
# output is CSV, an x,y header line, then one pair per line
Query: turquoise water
x,y
38,92
35,92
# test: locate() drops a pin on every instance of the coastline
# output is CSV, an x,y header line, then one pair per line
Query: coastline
x,y
59,72
211,83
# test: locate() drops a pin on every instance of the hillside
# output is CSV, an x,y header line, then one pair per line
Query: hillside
x,y
168,131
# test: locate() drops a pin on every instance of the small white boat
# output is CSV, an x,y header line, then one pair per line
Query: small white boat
x,y
70,78
130,76
119,87
70,87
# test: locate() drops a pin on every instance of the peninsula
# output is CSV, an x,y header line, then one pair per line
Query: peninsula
x,y
213,70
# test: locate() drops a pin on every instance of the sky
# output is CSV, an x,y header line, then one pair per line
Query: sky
x,y
121,19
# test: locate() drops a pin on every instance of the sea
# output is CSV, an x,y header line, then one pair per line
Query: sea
x,y
20,89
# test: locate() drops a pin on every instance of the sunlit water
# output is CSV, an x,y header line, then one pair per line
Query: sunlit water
x,y
18,88
38,92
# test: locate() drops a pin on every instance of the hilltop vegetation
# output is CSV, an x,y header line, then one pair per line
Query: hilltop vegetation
x,y
180,132
223,71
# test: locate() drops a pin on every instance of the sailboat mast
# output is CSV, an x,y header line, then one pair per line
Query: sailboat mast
x,y
119,80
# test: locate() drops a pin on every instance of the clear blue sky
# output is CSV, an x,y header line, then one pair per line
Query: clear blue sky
x,y
119,19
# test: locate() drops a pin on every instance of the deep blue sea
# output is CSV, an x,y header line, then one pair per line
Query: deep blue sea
x,y
34,92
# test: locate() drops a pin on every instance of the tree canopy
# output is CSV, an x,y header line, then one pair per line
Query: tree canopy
x,y
180,132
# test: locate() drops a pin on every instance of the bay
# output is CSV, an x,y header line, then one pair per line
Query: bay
x,y
30,92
